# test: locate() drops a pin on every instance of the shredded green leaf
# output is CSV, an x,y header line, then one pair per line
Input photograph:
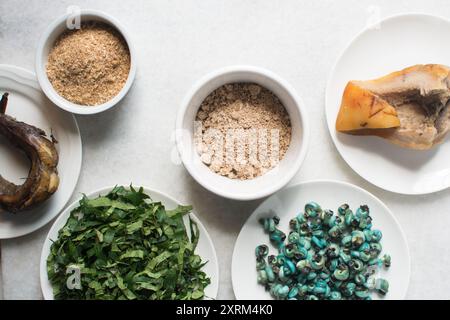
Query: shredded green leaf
x,y
127,247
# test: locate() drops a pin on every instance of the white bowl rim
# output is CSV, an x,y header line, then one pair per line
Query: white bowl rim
x,y
60,101
340,183
304,124
328,85
43,259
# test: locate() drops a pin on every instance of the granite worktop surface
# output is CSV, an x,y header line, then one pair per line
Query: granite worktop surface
x,y
177,42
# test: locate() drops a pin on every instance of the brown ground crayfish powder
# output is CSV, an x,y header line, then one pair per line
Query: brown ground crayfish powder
x,y
242,130
90,65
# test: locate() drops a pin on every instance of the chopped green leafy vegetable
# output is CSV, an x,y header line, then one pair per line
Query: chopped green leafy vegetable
x,y
127,247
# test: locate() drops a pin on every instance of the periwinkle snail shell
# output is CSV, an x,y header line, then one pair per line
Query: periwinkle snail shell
x,y
325,256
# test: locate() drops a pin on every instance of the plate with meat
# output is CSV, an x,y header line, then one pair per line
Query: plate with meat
x,y
40,148
388,104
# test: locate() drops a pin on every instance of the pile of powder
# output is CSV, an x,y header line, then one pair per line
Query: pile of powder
x,y
242,130
90,65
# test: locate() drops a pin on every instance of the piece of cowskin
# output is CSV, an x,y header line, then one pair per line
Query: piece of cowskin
x,y
410,107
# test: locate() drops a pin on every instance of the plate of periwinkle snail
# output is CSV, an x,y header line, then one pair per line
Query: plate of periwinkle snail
x,y
321,240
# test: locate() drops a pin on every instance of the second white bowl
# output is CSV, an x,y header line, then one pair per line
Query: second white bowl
x,y
261,186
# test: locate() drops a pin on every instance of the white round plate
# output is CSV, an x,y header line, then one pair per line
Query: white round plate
x,y
28,104
394,44
205,248
287,204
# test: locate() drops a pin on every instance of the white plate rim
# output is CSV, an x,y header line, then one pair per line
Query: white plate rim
x,y
28,78
330,76
338,183
46,288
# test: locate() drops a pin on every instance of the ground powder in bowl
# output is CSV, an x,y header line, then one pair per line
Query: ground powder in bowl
x,y
242,130
90,65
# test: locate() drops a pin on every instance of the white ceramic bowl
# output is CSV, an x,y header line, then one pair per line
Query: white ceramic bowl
x,y
274,179
47,41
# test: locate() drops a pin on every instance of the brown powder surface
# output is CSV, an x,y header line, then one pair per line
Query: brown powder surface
x,y
90,65
242,130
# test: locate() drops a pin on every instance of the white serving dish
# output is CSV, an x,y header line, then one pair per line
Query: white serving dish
x,y
27,103
329,194
274,179
205,246
379,50
47,41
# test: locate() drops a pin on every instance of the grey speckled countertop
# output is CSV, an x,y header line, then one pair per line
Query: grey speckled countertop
x,y
177,42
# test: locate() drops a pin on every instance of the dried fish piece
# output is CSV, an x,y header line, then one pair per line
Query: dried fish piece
x,y
42,180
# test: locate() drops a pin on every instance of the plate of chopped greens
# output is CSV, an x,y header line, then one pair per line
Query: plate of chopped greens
x,y
321,240
128,243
